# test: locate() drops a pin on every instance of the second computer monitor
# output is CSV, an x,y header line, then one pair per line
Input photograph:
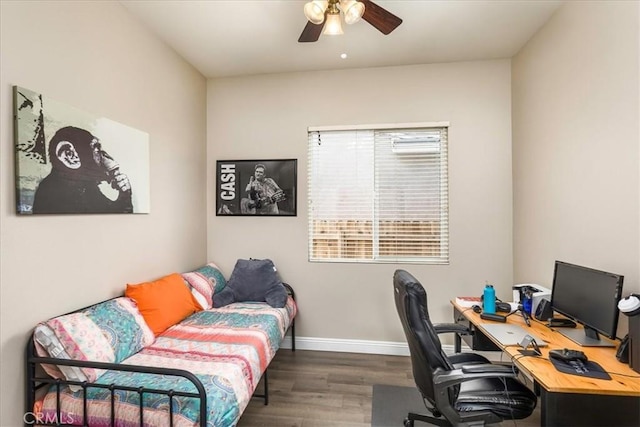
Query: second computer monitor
x,y
589,297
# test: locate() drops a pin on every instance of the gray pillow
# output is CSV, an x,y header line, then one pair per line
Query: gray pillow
x,y
253,280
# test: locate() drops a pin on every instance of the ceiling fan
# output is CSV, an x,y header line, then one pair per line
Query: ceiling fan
x,y
326,13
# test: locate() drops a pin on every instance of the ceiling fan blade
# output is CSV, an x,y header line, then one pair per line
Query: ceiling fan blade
x,y
379,17
311,32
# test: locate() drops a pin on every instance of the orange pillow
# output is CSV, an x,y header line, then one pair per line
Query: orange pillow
x,y
164,302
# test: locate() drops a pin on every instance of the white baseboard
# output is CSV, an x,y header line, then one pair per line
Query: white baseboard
x,y
370,347
348,346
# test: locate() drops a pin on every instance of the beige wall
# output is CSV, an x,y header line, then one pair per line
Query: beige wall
x,y
267,117
576,144
576,174
96,57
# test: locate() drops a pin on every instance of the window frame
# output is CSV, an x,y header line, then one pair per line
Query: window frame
x,y
376,258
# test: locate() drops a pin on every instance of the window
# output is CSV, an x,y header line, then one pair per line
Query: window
x,y
379,194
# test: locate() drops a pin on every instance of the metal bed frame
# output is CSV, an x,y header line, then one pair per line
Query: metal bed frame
x,y
36,381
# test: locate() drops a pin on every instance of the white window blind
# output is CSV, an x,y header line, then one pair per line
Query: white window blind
x,y
378,195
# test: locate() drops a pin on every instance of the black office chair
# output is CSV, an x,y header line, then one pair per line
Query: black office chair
x,y
461,389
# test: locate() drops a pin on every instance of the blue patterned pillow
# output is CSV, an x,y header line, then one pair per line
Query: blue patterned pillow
x,y
204,283
109,332
122,325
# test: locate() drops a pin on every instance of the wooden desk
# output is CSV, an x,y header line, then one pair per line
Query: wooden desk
x,y
570,400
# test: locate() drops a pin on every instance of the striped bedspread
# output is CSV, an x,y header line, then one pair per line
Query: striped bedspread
x,y
227,348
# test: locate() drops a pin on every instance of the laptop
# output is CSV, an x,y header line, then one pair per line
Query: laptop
x,y
507,334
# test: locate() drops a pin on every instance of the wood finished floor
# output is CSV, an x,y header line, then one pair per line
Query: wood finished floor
x,y
325,389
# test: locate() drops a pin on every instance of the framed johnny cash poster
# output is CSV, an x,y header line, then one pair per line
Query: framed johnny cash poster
x,y
256,187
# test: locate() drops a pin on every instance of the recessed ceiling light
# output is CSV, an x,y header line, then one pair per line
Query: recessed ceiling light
x,y
343,56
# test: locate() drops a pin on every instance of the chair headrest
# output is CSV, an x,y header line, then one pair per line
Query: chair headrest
x,y
404,279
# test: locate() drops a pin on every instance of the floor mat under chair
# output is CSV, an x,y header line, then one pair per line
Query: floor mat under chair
x,y
391,404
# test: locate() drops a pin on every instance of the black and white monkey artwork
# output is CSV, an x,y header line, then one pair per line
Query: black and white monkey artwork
x,y
79,166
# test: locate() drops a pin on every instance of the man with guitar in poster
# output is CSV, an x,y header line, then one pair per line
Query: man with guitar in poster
x,y
264,194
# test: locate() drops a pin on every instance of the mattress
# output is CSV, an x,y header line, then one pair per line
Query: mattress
x,y
228,349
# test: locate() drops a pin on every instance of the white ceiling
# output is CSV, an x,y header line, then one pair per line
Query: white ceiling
x,y
240,37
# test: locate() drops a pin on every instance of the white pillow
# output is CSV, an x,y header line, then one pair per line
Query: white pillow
x,y
46,339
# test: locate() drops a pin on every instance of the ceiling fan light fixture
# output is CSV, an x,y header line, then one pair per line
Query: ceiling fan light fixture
x,y
333,26
314,10
353,10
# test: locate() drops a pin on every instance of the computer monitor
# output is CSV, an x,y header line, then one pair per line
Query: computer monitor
x,y
589,297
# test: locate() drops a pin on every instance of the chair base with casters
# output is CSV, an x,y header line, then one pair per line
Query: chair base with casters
x,y
408,422
463,389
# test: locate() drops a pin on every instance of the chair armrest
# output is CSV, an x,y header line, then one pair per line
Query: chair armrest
x,y
486,367
446,379
457,328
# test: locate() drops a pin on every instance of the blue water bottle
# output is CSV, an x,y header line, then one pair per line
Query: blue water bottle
x,y
489,299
